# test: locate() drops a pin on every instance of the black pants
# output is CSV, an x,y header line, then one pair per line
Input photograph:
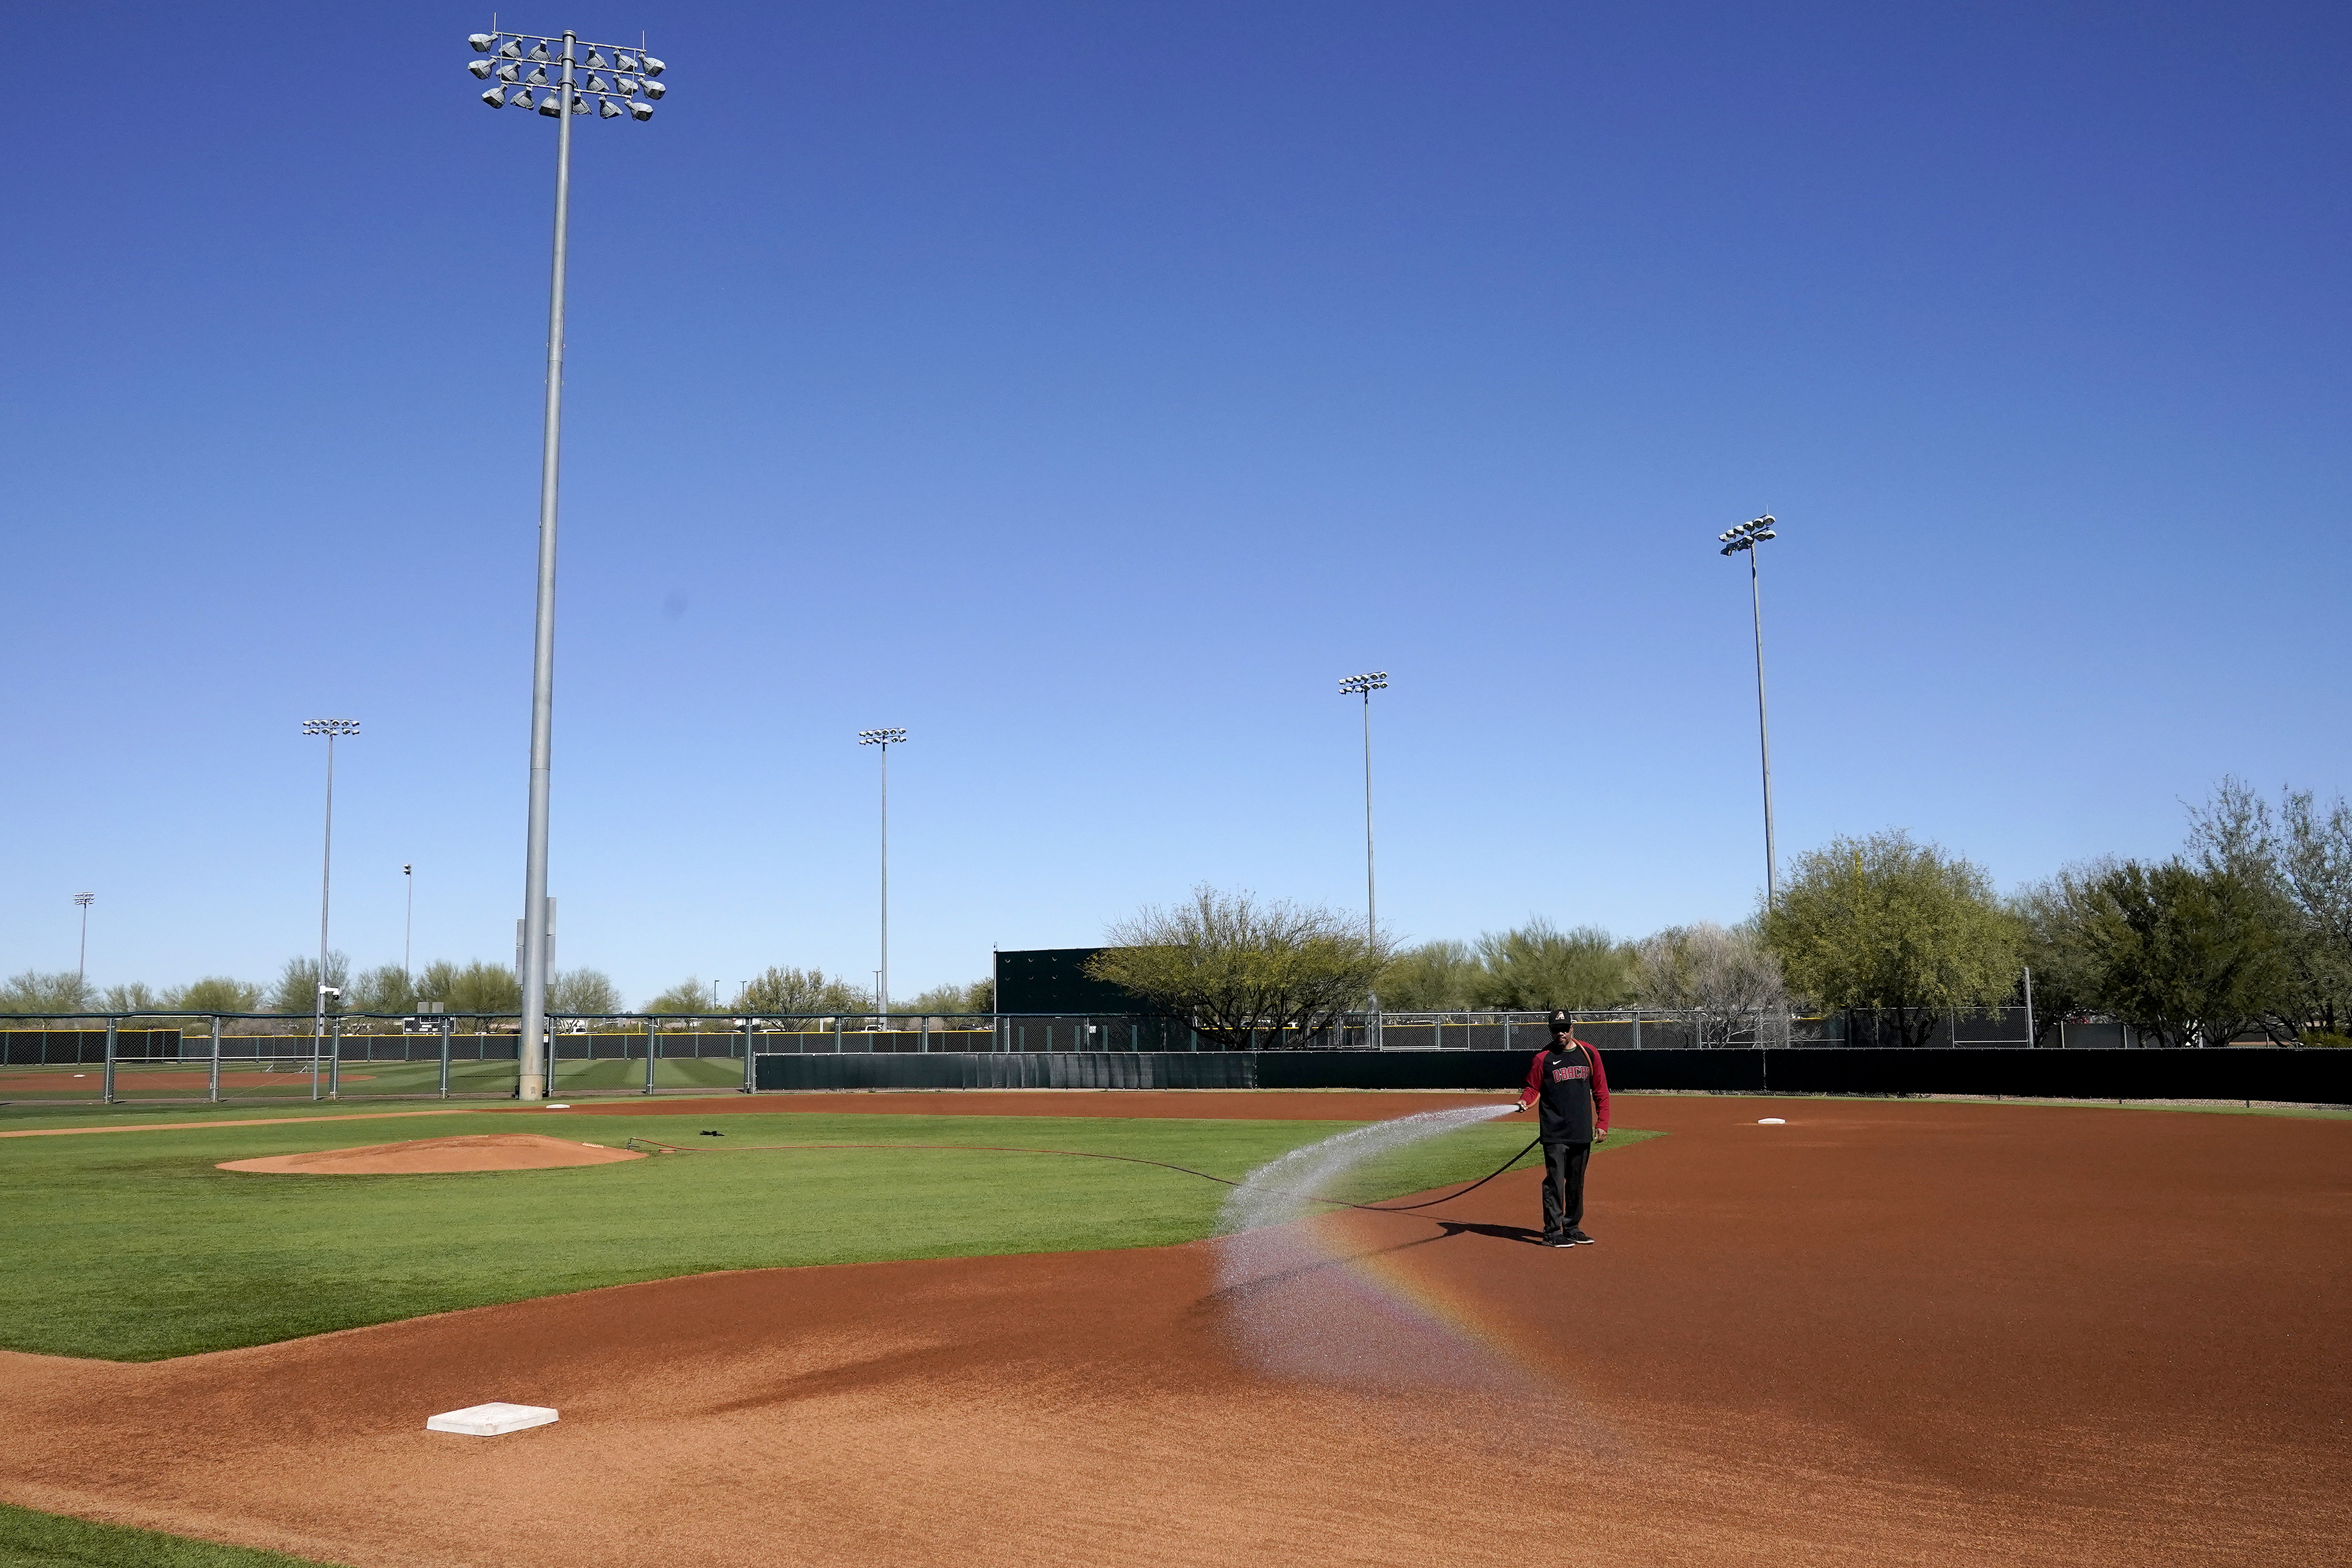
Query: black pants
x,y
1564,1186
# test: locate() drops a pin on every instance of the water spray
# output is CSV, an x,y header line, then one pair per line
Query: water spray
x,y
1260,1190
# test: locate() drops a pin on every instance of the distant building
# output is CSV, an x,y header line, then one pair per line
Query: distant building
x,y
1054,980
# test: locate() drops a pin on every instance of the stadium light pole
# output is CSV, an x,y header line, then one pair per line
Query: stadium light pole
x,y
1747,537
634,71
330,728
81,965
1364,685
886,739
408,926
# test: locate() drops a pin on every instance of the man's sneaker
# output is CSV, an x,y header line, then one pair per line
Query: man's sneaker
x,y
1577,1239
1559,1241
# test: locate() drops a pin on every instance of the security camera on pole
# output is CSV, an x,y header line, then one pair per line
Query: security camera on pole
x,y
518,62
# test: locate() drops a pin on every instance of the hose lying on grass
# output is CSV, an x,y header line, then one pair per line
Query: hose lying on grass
x,y
656,1146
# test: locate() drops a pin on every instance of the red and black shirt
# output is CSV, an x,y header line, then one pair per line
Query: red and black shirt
x,y
1570,1090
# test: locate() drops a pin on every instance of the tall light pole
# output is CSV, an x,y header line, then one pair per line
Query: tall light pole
x,y
884,739
81,965
1364,685
329,728
1747,537
408,927
633,73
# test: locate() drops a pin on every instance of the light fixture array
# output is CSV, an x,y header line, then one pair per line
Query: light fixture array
x,y
1747,535
619,80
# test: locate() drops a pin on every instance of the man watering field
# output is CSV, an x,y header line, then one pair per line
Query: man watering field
x,y
1572,1094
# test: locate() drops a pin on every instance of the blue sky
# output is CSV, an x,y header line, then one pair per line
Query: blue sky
x,y
1088,389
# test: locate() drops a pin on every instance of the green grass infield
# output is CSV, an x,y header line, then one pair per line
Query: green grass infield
x,y
30,1539
131,1247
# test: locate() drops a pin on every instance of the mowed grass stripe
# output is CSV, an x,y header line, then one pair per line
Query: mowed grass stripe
x,y
33,1540
137,1248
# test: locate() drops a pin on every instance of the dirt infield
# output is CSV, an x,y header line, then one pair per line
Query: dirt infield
x,y
1205,1104
1884,1332
439,1156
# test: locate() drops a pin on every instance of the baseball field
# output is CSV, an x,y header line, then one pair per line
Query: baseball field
x,y
1005,1329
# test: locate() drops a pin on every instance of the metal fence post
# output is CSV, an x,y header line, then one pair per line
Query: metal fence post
x,y
746,1056
445,1057
106,1084
211,1088
335,1058
317,1039
653,1049
836,1034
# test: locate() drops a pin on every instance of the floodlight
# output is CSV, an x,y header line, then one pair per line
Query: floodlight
x,y
624,84
641,111
496,98
595,60
537,77
626,62
607,109
538,52
481,69
506,72
483,43
654,67
522,98
654,89
511,49
596,83
579,104
549,107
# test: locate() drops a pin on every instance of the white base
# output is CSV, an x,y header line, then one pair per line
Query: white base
x,y
1771,1121
490,1420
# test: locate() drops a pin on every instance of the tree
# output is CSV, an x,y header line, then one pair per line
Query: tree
x,y
1539,965
2315,855
804,993
62,990
1434,977
1236,967
386,988
2298,866
475,987
688,996
1728,976
215,994
2190,955
979,996
2053,945
1883,923
133,997
583,994
297,985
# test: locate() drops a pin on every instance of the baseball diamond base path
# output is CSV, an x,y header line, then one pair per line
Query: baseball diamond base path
x,y
1884,1332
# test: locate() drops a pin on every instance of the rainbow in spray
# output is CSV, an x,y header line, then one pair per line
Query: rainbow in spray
x,y
1307,1301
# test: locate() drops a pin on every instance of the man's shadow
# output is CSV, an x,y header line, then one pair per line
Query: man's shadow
x,y
1499,1232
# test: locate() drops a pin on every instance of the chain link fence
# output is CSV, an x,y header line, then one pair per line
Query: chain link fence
x,y
126,1059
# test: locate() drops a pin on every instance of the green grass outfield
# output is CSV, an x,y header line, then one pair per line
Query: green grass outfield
x,y
30,1539
131,1245
290,1080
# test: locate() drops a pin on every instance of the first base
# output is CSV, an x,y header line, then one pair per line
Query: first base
x,y
490,1420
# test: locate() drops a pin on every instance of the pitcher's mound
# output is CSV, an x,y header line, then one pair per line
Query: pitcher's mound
x,y
422,1156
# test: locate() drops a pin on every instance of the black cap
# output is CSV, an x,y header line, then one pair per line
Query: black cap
x,y
1561,1021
